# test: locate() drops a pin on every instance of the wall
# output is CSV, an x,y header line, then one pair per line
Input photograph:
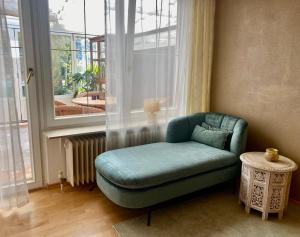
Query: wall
x,y
256,72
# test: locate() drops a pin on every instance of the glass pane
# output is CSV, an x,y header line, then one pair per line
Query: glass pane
x,y
61,72
66,15
155,24
95,18
78,84
148,20
155,34
61,41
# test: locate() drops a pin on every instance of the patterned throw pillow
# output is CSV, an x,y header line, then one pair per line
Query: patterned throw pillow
x,y
227,144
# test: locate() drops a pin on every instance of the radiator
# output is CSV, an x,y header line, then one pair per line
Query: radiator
x,y
80,157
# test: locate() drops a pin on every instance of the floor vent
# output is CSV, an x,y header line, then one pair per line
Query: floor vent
x,y
81,153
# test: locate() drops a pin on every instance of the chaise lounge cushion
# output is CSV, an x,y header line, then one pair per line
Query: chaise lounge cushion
x,y
158,163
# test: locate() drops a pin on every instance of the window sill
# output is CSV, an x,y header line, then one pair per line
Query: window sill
x,y
141,121
66,132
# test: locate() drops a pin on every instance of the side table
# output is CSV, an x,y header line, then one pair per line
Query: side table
x,y
265,185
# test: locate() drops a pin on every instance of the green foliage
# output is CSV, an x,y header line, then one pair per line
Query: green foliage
x,y
61,90
64,82
86,81
61,64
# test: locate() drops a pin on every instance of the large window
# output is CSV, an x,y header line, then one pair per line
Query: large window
x,y
77,56
77,46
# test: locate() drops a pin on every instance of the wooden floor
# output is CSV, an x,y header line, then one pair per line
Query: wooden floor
x,y
74,212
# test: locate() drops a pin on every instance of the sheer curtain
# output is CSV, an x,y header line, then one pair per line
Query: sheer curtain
x,y
147,45
13,187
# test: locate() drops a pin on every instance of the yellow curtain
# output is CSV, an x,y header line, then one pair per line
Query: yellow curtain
x,y
198,94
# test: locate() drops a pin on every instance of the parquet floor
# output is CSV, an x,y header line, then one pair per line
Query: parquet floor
x,y
74,212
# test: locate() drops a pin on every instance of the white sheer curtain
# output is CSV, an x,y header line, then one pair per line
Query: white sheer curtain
x,y
147,65
13,187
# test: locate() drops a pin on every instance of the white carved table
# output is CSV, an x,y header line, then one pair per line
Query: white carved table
x,y
265,185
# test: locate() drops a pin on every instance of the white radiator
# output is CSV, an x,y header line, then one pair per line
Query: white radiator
x,y
80,158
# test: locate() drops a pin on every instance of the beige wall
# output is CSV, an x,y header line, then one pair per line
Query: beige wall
x,y
256,72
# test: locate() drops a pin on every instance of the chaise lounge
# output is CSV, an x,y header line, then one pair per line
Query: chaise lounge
x,y
142,176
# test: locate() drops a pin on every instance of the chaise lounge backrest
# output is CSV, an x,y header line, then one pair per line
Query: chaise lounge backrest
x,y
180,129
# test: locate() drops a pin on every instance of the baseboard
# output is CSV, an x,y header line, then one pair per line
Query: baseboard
x,y
50,186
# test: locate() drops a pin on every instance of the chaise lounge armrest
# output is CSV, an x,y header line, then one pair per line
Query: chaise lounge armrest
x,y
181,128
239,137
178,130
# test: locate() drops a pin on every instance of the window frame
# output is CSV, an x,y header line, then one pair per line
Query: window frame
x,y
47,102
50,121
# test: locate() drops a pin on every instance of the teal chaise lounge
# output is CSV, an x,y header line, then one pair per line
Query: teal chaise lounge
x,y
142,176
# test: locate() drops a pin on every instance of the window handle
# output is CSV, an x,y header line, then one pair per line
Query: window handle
x,y
29,75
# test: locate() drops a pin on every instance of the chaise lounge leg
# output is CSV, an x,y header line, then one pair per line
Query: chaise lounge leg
x,y
149,218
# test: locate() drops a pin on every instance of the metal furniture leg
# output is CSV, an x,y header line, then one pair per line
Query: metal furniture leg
x,y
149,217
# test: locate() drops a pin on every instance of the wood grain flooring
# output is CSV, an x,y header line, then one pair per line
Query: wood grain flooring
x,y
74,212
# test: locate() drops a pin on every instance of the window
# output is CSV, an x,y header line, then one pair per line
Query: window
x,y
154,34
77,57
146,24
74,74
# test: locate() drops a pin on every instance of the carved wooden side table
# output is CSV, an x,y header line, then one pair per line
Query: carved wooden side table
x,y
265,185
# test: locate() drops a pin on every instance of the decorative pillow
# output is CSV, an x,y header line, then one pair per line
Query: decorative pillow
x,y
229,136
209,137
205,125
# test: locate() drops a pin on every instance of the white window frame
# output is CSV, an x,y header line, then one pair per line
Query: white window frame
x,y
25,16
47,103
